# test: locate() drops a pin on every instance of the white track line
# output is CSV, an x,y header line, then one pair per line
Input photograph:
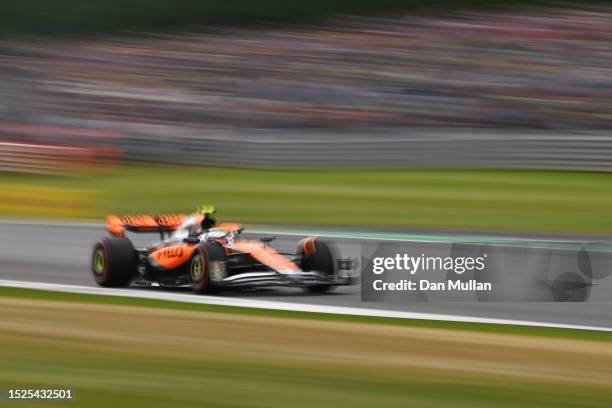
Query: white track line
x,y
288,233
294,307
266,230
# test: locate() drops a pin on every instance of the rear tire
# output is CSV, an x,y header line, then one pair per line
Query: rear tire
x,y
114,262
199,267
322,260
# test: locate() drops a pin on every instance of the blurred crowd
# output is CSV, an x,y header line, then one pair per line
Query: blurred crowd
x,y
548,68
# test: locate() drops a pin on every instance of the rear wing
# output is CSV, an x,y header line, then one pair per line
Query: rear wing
x,y
117,225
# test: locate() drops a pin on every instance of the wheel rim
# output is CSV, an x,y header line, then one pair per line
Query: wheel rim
x,y
99,262
197,269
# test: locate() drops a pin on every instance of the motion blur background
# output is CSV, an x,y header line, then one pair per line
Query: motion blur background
x,y
351,115
468,115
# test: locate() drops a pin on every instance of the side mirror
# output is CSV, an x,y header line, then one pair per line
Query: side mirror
x,y
267,239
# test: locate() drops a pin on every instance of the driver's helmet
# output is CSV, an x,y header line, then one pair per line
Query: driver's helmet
x,y
206,210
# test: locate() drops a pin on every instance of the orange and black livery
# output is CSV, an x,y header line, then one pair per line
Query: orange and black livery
x,y
194,252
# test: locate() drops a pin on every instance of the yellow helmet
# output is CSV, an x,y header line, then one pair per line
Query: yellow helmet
x,y
205,209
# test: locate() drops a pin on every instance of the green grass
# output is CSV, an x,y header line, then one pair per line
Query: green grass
x,y
133,357
151,383
478,327
527,201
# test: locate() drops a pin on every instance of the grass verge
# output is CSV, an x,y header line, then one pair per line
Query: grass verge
x,y
163,304
120,355
521,201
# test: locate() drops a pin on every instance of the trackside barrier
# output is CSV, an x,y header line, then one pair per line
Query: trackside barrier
x,y
377,148
36,148
32,158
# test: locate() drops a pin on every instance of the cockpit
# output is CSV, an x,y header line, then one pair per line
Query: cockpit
x,y
192,227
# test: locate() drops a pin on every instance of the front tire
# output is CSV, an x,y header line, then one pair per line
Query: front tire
x,y
321,260
199,266
114,262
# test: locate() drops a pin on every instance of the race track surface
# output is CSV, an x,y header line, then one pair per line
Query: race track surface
x,y
51,253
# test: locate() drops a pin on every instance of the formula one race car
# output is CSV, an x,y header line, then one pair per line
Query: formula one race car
x,y
210,259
